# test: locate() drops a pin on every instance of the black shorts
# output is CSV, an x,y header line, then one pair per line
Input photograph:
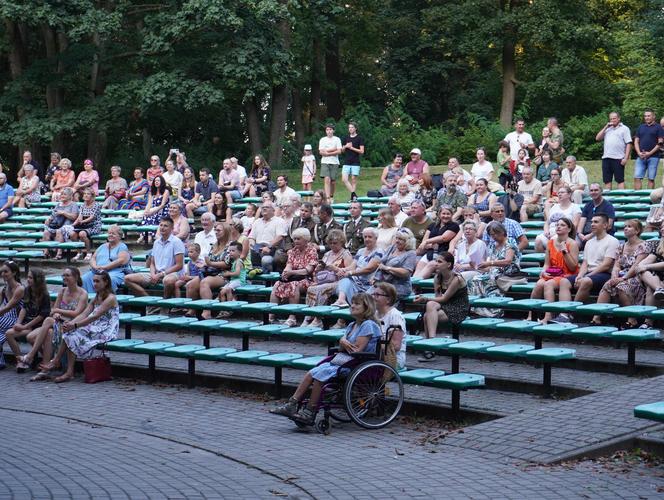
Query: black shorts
x,y
598,280
612,168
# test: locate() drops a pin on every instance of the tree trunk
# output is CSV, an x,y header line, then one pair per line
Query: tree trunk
x,y
509,84
314,96
55,45
333,74
298,118
278,124
253,125
147,142
97,140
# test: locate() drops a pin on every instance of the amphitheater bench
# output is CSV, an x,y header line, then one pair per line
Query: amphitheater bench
x,y
547,357
650,411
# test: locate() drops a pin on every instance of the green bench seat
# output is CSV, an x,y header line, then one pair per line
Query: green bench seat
x,y
516,326
481,323
150,319
596,309
307,363
561,307
231,305
245,356
152,347
329,336
492,302
594,332
318,311
183,351
182,322
279,359
299,332
471,347
459,381
420,375
287,309
123,345
633,311
260,307
266,330
636,335
438,344
524,305
214,354
509,351
550,354
650,411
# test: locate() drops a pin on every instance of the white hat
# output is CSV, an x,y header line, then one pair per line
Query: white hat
x,y
307,147
416,151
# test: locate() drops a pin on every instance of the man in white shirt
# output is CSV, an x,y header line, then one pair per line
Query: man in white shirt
x,y
206,238
598,256
283,192
397,213
617,146
266,235
518,139
329,148
531,190
576,178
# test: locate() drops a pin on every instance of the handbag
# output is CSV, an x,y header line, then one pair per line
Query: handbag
x,y
325,276
655,216
341,358
554,271
97,369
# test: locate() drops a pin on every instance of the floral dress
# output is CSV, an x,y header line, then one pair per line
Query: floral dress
x,y
485,284
631,287
135,204
93,227
35,196
8,319
155,219
457,307
83,340
57,326
297,259
188,194
319,294
257,174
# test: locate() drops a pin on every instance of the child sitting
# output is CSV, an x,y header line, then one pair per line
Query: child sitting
x,y
193,269
236,275
248,218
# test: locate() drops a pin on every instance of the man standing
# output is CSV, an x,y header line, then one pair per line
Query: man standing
x,y
418,222
576,178
229,186
513,228
329,148
519,139
266,235
353,228
531,190
323,228
6,198
203,196
206,238
353,147
646,145
450,195
597,205
166,263
595,270
617,146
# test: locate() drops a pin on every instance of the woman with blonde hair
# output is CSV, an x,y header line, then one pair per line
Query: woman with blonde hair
x,y
387,228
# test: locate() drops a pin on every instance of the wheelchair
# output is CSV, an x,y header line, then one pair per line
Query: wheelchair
x,y
367,391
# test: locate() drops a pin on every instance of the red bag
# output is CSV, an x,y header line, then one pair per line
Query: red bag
x,y
97,369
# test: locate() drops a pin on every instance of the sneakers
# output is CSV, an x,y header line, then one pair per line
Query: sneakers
x,y
426,356
152,310
305,416
659,294
562,318
288,409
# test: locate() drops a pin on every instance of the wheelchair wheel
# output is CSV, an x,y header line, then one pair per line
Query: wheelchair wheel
x,y
373,395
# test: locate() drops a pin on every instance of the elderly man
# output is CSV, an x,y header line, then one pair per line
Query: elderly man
x,y
206,238
416,166
266,235
6,198
576,178
513,228
166,263
617,147
323,228
354,227
397,213
305,220
450,195
597,205
418,222
531,190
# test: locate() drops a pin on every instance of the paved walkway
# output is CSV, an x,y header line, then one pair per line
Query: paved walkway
x,y
128,440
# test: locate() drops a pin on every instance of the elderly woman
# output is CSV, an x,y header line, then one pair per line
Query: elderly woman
x,y
361,335
561,260
404,196
436,239
70,302
86,225
451,302
88,178
116,189
469,252
398,263
503,260
331,268
564,208
112,257
624,283
97,324
63,178
59,225
28,189
392,321
136,196
296,276
357,277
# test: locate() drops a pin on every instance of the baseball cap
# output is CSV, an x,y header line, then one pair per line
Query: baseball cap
x,y
307,147
416,151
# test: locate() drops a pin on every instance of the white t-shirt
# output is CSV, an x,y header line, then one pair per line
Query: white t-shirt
x,y
400,217
481,171
578,177
265,232
515,140
205,241
476,253
393,317
242,172
385,236
247,222
174,180
557,212
281,196
329,143
596,250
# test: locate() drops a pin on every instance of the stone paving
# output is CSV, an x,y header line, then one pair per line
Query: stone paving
x,y
132,440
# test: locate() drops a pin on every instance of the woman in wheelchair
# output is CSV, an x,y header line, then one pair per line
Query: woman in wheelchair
x,y
361,336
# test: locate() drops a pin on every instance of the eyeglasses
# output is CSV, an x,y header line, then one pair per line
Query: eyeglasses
x,y
376,294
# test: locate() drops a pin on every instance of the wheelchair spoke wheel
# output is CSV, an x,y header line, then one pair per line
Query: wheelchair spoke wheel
x,y
373,395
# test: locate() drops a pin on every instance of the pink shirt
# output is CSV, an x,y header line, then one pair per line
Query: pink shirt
x,y
86,176
415,169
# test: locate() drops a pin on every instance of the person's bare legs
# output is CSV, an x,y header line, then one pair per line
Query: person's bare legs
x,y
41,337
603,298
583,289
135,284
55,362
191,292
431,319
169,286
69,373
424,270
12,335
207,284
550,286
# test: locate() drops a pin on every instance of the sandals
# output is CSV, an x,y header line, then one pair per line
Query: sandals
x,y
290,322
426,356
224,315
78,256
22,367
41,376
63,378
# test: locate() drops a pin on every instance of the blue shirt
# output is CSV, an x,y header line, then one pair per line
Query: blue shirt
x,y
589,209
164,252
5,193
513,228
648,136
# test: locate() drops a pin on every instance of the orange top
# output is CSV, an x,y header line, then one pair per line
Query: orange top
x,y
557,259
